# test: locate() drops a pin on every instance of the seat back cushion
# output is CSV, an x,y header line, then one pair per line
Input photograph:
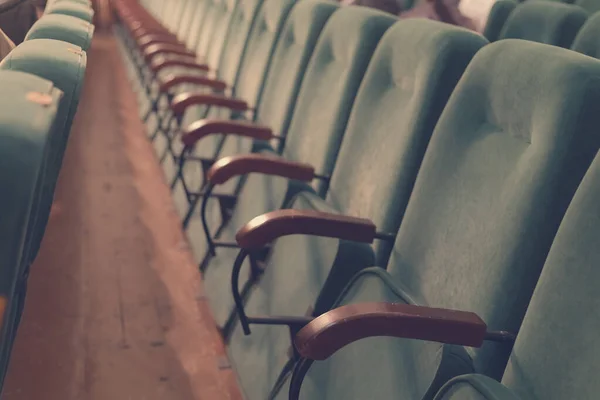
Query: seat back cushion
x,y
510,148
544,22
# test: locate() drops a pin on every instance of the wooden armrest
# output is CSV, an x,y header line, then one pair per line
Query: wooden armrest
x,y
331,331
265,228
206,127
145,41
228,167
173,80
184,100
152,51
159,63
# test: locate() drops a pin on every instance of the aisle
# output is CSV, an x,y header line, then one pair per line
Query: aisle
x,y
114,309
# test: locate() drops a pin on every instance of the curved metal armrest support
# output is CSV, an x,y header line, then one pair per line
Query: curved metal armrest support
x,y
331,331
206,127
228,167
265,228
152,51
159,63
184,100
173,80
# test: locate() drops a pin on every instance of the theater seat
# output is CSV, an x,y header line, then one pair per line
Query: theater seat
x,y
556,351
314,136
409,79
590,6
249,66
504,161
544,22
28,109
497,18
63,64
74,9
586,41
278,99
63,27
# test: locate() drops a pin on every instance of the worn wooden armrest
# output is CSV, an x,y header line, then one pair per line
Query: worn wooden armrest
x,y
152,51
228,167
331,331
173,80
145,41
190,62
206,127
139,29
265,228
184,100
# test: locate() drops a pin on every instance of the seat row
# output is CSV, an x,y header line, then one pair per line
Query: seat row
x,y
375,203
40,83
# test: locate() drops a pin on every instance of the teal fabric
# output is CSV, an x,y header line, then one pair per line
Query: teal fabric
x,y
260,45
586,41
411,73
63,27
495,183
474,387
260,193
64,64
590,6
497,18
544,22
506,157
25,130
218,36
80,11
557,345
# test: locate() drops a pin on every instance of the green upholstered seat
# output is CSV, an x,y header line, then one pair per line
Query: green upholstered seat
x,y
586,41
544,22
78,10
503,163
232,61
28,108
63,27
63,64
329,87
556,351
282,84
497,18
411,75
590,6
248,64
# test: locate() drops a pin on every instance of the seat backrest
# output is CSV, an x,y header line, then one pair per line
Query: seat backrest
x,y
329,88
504,161
218,40
544,22
586,41
28,109
212,14
401,98
497,18
241,23
290,60
63,27
64,65
183,27
590,6
262,40
195,29
176,13
556,351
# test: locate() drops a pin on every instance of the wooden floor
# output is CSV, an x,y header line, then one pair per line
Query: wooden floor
x,y
114,309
